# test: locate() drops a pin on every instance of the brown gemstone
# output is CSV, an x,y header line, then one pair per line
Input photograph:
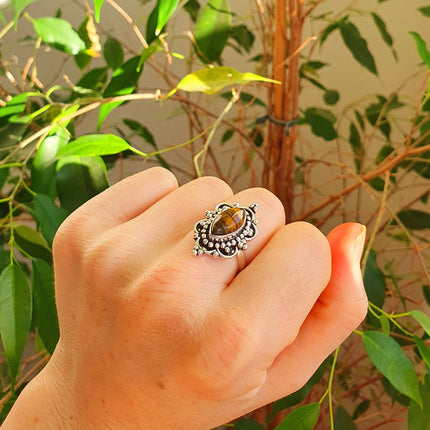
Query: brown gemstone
x,y
228,221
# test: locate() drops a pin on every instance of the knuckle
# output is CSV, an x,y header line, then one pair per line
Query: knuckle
x,y
208,185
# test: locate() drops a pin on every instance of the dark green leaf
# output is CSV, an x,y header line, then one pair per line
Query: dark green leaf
x,y
419,418
227,135
44,304
331,97
4,259
376,115
248,424
59,34
357,45
361,409
422,319
79,179
94,144
343,421
303,418
423,349
387,356
425,10
356,146
82,59
19,6
97,7
95,79
32,243
380,24
421,48
299,395
147,136
395,394
212,29
124,81
374,281
48,215
359,119
243,37
327,31
166,9
113,53
426,293
192,7
414,219
321,122
15,315
312,66
43,170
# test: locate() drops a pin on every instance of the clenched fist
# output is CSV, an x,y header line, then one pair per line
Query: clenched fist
x,y
154,337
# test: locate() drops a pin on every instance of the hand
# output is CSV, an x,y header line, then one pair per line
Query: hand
x,y
153,337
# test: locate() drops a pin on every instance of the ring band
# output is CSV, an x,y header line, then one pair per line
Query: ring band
x,y
226,230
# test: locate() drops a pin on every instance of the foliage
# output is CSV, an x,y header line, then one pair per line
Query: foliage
x,y
50,163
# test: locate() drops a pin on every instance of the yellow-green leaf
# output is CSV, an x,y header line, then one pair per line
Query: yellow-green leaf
x,y
213,79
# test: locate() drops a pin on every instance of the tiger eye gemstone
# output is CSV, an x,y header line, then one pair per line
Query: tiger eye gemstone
x,y
228,222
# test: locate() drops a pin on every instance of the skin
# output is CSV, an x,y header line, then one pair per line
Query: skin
x,y
154,337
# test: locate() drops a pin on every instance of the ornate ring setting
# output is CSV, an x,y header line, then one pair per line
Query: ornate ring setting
x,y
226,230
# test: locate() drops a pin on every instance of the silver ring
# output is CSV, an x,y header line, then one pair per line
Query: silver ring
x,y
226,230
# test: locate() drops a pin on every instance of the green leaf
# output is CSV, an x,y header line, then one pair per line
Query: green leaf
x,y
95,144
44,304
385,324
48,215
59,34
212,79
248,424
374,280
331,97
192,7
357,45
113,53
147,136
151,25
387,356
425,10
15,315
421,48
124,81
343,421
32,243
82,59
43,169
95,79
19,6
327,31
422,319
356,146
97,7
79,179
361,409
419,418
423,349
299,395
414,219
15,106
166,9
243,36
303,418
227,135
380,24
321,122
426,293
212,29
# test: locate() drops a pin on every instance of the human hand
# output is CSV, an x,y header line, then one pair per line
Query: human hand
x,y
153,337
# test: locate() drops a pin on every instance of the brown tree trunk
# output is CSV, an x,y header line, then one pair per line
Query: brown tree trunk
x,y
278,174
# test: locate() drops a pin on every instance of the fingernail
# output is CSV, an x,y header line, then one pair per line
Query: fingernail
x,y
359,244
